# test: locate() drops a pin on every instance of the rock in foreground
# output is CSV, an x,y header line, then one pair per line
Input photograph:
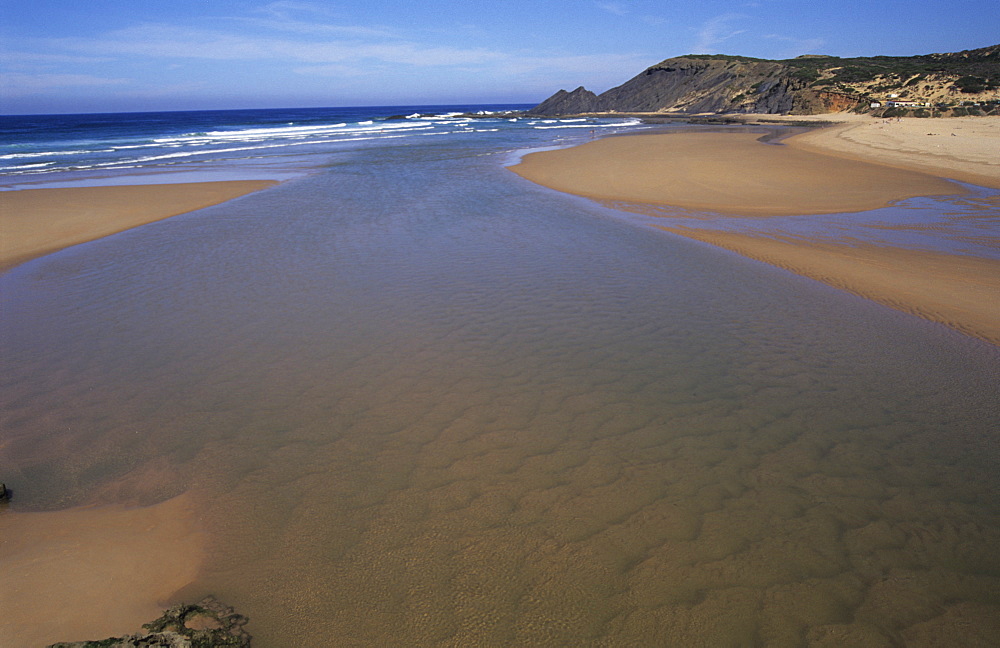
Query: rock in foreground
x,y
206,624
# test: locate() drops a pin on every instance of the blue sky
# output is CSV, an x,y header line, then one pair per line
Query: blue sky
x,y
128,55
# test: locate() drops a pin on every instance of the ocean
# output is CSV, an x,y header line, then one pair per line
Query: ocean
x,y
59,150
420,401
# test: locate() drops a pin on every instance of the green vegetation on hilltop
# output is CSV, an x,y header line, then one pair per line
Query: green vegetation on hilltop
x,y
976,70
982,66
725,57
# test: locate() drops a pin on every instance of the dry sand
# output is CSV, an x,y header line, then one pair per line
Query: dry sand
x,y
859,164
724,172
35,222
93,572
961,148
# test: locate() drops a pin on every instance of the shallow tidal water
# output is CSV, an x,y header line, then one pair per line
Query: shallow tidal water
x,y
423,402
960,224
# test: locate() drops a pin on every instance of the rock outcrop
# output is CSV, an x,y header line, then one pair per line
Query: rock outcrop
x,y
580,100
206,624
806,85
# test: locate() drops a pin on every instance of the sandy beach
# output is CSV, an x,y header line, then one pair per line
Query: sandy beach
x,y
35,222
145,555
859,164
960,148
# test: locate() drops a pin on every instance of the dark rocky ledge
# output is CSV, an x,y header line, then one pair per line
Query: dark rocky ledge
x,y
206,624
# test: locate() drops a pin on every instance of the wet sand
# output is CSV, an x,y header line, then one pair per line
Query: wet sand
x,y
97,571
959,291
35,222
837,169
93,572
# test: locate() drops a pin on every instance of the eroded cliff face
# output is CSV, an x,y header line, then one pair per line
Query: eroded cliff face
x,y
694,86
687,85
806,85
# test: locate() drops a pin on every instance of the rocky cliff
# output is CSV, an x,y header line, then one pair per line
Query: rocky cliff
x,y
805,85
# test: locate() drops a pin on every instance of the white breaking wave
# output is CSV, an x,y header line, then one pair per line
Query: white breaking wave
x,y
253,133
634,122
139,162
297,132
20,156
27,166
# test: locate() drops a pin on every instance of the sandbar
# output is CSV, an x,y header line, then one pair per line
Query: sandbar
x,y
93,572
956,290
724,172
35,222
860,164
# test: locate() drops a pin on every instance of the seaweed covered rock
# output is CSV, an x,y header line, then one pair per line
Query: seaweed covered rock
x,y
206,624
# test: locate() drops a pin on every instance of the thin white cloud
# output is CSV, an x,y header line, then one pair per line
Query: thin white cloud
x,y
327,57
511,66
167,41
352,55
157,91
332,70
19,85
308,18
798,46
19,59
616,8
715,32
283,8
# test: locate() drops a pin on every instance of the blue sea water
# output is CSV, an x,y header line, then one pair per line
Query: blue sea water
x,y
417,400
61,150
